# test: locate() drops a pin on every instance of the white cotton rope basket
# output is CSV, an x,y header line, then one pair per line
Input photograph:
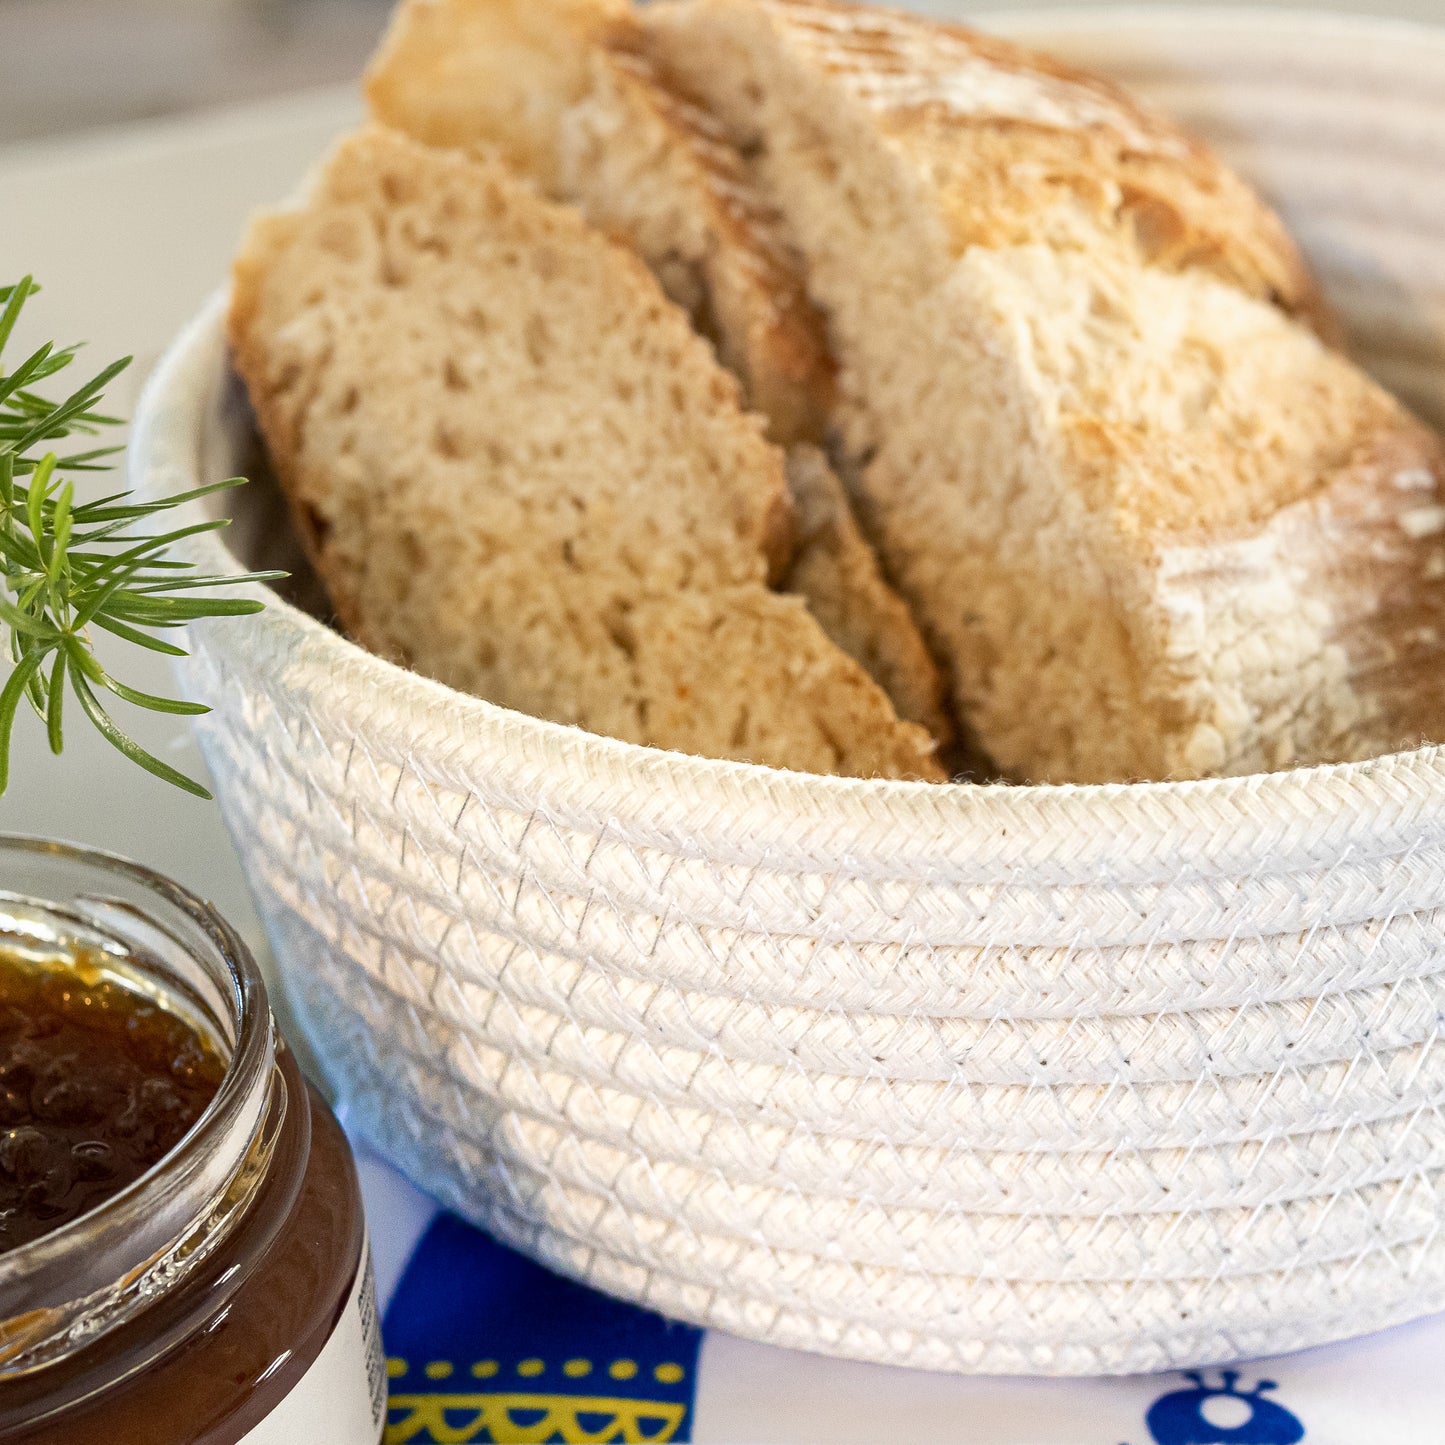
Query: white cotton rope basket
x,y
1049,1080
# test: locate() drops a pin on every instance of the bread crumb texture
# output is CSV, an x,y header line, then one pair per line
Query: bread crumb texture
x,y
519,471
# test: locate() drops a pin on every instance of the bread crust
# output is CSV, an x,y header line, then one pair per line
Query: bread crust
x,y
755,308
837,571
1016,147
450,72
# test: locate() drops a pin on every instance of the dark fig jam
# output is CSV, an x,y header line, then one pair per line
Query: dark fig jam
x,y
98,1083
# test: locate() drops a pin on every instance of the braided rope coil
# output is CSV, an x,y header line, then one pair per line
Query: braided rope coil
x,y
1058,1080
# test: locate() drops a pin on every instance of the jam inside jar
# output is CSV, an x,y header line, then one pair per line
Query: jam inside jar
x,y
183,1257
98,1083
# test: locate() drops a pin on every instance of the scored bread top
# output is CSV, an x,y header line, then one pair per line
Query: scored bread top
x,y
1183,410
519,471
1014,147
643,159
1236,531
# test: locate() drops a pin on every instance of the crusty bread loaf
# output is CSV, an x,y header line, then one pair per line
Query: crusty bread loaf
x,y
598,127
1152,525
519,471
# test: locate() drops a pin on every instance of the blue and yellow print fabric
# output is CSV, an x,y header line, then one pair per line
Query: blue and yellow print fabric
x,y
484,1345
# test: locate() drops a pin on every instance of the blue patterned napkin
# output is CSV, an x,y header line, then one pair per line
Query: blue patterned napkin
x,y
484,1345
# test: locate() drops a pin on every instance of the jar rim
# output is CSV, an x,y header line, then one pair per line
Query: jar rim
x,y
38,1278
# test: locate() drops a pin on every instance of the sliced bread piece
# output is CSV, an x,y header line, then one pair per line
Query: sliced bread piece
x,y
453,72
837,571
565,91
1151,524
600,128
519,471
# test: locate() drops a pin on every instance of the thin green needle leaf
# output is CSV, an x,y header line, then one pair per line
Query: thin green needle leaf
x,y
36,692
53,722
91,461
153,621
57,423
173,611
106,508
19,551
118,740
14,297
24,622
176,706
184,584
114,499
141,639
60,530
35,497
84,662
92,608
150,701
157,544
34,368
68,568
149,564
14,690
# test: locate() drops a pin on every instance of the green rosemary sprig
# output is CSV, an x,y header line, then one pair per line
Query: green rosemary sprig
x,y
68,567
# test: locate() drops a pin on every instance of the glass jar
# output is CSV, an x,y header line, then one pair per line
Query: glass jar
x,y
226,1295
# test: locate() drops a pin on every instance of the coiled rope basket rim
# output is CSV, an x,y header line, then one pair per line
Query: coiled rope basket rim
x,y
987,1078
